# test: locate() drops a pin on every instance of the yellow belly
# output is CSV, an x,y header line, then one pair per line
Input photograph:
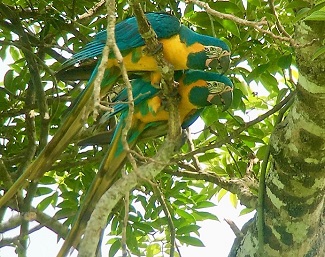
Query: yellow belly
x,y
175,52
158,112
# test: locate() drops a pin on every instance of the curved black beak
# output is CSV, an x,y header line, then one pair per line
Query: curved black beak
x,y
220,64
224,99
224,63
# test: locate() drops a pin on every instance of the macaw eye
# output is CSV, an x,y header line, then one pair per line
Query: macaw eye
x,y
217,58
215,52
217,87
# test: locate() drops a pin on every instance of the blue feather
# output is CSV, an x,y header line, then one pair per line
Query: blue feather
x,y
127,36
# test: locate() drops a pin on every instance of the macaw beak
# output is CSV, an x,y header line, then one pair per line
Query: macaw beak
x,y
224,99
224,63
221,65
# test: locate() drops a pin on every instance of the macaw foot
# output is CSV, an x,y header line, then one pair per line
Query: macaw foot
x,y
164,102
155,79
151,52
183,139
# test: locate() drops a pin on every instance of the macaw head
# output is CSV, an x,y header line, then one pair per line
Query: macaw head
x,y
217,58
209,88
206,52
220,94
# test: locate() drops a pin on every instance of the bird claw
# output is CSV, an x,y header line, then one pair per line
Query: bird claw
x,y
151,52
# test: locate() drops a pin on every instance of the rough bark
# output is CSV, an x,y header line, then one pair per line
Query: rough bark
x,y
295,184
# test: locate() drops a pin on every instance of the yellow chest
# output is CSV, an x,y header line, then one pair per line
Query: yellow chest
x,y
175,52
157,110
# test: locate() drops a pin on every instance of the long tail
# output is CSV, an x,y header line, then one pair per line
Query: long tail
x,y
54,148
104,179
62,138
83,72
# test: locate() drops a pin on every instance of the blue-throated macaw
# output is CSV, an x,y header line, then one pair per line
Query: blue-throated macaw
x,y
182,47
196,89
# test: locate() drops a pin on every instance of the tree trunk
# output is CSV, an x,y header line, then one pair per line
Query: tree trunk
x,y
295,183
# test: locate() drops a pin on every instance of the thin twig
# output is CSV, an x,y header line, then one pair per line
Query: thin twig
x,y
241,187
192,148
234,160
234,228
12,223
256,25
92,10
277,21
170,222
125,223
25,209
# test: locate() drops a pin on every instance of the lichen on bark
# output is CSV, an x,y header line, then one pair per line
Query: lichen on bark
x,y
295,184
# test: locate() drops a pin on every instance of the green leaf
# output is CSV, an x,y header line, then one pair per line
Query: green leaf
x,y
114,224
65,212
68,204
190,241
45,203
114,247
179,186
318,52
269,82
301,14
297,4
261,152
257,72
221,194
203,215
237,102
55,199
209,115
190,218
187,229
69,195
251,139
207,156
231,27
14,53
43,191
246,211
243,88
316,16
204,204
143,226
285,61
8,78
47,180
255,2
227,7
152,250
233,199
282,93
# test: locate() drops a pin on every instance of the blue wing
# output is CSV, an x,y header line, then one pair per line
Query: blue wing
x,y
141,90
127,35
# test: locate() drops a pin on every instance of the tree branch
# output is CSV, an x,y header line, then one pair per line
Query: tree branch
x,y
170,222
241,187
256,25
149,171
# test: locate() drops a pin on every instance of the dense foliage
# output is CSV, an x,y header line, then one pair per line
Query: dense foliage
x,y
227,154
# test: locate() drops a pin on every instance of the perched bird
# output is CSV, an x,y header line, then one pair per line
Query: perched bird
x,y
196,90
182,47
